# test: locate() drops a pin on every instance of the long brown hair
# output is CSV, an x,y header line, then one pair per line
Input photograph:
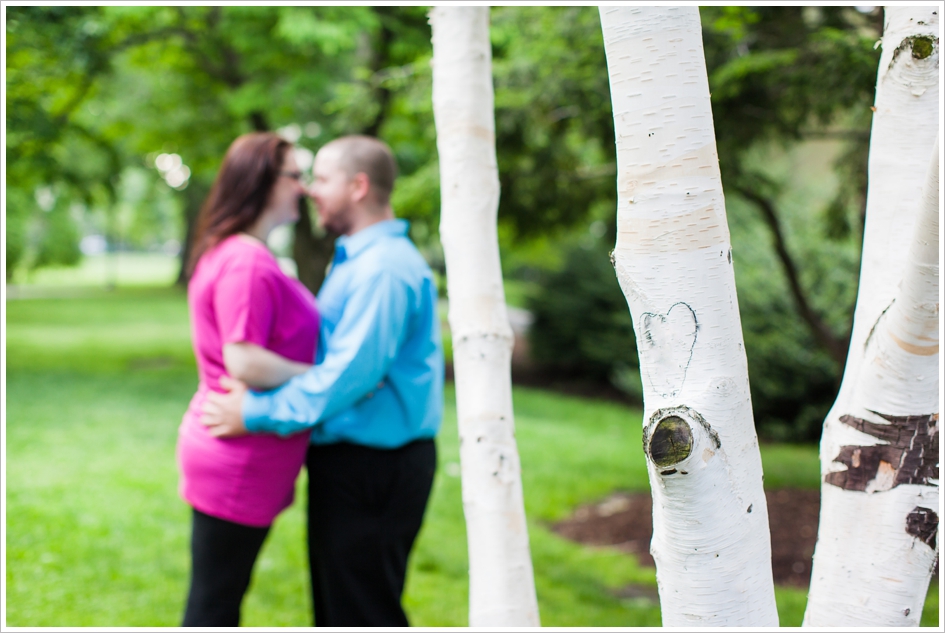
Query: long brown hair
x,y
240,192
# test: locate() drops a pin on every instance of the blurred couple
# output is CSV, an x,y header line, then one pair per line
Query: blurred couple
x,y
350,384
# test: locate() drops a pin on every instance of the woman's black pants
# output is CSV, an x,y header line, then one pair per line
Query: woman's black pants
x,y
223,554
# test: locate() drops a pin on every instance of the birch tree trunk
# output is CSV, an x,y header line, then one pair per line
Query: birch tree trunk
x,y
501,582
877,542
673,259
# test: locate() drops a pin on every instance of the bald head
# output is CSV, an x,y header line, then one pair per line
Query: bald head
x,y
367,155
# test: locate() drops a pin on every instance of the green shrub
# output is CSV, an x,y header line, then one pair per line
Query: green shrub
x,y
793,381
583,330
582,327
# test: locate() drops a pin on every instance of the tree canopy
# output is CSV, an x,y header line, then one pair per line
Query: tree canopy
x,y
118,117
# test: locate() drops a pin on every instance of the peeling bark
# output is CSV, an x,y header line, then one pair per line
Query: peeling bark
x,y
922,523
909,457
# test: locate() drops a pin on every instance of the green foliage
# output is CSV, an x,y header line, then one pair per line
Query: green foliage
x,y
781,78
783,70
783,74
60,240
554,128
54,56
793,379
16,216
94,93
582,327
793,384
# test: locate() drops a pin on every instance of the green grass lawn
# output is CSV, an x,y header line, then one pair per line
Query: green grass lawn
x,y
124,269
97,536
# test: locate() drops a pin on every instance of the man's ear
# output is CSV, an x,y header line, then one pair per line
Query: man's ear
x,y
361,186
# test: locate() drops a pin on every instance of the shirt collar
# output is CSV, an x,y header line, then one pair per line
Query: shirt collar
x,y
349,246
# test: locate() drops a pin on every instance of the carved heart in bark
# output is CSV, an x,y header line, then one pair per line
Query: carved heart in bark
x,y
665,345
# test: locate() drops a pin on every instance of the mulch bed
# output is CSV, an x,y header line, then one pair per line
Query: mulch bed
x,y
624,520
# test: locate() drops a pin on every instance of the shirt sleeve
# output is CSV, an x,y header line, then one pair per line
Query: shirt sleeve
x,y
243,302
358,354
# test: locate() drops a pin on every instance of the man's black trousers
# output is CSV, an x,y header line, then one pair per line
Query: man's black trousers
x,y
365,507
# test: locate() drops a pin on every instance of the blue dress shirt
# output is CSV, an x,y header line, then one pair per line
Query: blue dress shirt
x,y
378,378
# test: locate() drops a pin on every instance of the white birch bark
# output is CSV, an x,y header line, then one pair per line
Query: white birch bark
x,y
877,542
501,582
711,541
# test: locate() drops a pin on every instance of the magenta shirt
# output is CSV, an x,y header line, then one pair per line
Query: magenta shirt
x,y
239,294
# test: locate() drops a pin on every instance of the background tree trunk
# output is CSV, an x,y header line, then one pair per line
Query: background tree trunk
x,y
312,248
194,196
835,346
879,454
673,259
501,582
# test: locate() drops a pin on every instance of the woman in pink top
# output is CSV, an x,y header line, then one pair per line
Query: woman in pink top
x,y
251,322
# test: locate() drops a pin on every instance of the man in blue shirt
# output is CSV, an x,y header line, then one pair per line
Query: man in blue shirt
x,y
373,401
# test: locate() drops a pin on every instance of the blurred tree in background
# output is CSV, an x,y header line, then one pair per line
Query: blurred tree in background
x,y
118,117
179,82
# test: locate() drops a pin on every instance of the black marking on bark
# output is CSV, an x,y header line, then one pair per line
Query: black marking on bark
x,y
613,259
921,47
729,256
922,523
671,442
750,506
869,336
910,455
668,472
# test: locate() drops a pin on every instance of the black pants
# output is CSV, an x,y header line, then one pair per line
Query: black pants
x,y
223,554
365,507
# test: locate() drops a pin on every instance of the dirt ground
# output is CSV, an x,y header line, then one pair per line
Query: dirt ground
x,y
624,521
